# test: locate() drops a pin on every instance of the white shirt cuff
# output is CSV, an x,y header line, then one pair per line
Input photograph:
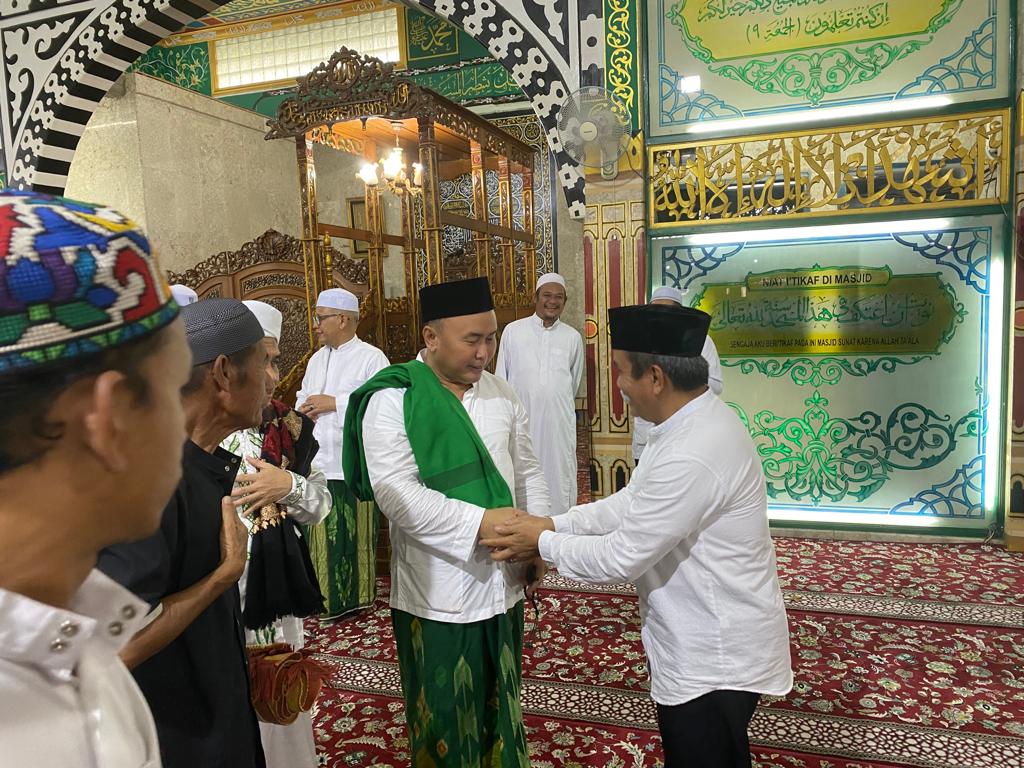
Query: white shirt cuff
x,y
549,543
469,536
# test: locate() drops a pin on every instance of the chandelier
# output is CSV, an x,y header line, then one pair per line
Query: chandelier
x,y
393,171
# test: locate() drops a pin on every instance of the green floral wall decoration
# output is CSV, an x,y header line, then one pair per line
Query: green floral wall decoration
x,y
821,457
187,66
827,370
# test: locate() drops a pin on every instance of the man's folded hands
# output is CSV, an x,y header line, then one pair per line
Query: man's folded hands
x,y
516,537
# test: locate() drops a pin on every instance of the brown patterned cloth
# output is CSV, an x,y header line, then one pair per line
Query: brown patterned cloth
x,y
284,682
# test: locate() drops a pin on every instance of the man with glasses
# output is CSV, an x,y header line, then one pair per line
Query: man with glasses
x,y
343,545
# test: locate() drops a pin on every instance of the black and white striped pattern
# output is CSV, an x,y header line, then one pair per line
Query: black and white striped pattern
x,y
60,57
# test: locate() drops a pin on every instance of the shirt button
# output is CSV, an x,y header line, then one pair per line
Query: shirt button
x,y
115,628
58,645
227,469
128,612
69,629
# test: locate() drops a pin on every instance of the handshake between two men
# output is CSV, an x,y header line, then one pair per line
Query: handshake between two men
x,y
513,536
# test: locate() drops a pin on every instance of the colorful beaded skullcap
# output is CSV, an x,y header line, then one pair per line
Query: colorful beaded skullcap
x,y
75,279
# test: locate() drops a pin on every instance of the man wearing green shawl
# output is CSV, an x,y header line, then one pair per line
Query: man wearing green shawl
x,y
444,448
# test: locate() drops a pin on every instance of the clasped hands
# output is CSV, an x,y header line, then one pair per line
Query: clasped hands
x,y
512,534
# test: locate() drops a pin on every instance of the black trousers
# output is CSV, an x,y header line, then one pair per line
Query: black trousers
x,y
708,732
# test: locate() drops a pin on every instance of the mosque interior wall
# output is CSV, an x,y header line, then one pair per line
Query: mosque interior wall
x,y
206,180
638,234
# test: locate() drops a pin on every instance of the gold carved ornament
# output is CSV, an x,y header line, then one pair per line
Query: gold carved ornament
x,y
350,86
620,60
919,164
346,87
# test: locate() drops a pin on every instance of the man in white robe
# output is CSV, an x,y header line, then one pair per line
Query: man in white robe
x,y
669,296
690,530
343,547
542,358
307,502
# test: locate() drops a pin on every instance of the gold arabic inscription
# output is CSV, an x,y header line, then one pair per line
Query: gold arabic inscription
x,y
924,163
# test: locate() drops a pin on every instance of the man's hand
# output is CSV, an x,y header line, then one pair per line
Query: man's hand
x,y
234,544
517,539
541,570
494,517
316,405
267,485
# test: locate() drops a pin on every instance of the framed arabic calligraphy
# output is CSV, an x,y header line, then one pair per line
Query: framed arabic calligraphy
x,y
916,164
883,356
760,57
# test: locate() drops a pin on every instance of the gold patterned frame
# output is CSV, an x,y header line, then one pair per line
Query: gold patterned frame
x,y
271,268
822,171
341,95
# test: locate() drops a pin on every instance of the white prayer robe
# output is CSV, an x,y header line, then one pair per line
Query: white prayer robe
x,y
308,503
66,699
691,531
338,372
642,427
439,570
544,367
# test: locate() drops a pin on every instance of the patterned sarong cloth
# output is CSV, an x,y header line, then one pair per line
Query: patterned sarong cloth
x,y
344,551
461,684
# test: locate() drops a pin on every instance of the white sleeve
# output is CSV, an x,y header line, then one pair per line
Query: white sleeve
x,y
602,516
501,365
378,364
710,353
577,366
310,500
672,505
448,526
531,489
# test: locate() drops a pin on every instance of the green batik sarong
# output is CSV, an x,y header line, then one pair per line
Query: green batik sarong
x,y
461,684
344,551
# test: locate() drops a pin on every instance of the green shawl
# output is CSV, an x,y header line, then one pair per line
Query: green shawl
x,y
450,455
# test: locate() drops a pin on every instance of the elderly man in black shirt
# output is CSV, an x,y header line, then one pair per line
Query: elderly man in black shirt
x,y
190,659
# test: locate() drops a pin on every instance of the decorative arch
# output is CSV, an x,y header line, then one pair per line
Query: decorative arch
x,y
60,58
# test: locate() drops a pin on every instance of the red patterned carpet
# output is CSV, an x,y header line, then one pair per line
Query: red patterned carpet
x,y
904,655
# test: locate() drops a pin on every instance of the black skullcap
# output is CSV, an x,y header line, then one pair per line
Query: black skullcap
x,y
455,299
216,327
659,329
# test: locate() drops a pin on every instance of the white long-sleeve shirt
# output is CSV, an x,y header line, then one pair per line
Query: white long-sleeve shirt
x,y
65,696
338,372
642,427
544,367
691,531
439,570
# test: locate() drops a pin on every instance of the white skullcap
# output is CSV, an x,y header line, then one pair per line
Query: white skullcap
x,y
668,292
550,277
184,295
270,318
338,298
